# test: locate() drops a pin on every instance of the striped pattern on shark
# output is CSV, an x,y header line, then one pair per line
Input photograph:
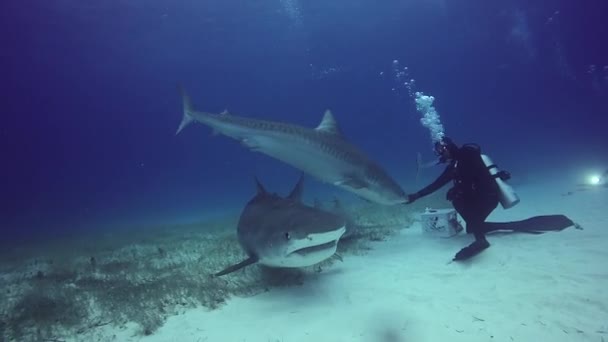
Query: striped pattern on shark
x,y
321,152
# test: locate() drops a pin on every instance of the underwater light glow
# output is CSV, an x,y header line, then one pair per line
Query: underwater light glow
x,y
595,180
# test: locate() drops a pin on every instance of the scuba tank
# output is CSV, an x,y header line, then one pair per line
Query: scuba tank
x,y
507,196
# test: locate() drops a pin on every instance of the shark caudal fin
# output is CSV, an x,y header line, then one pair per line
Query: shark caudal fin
x,y
424,165
187,108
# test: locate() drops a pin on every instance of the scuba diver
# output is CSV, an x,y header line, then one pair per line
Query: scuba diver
x,y
478,189
475,193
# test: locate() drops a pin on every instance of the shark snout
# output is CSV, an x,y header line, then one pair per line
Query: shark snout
x,y
316,241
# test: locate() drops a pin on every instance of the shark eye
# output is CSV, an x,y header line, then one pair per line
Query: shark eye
x,y
287,236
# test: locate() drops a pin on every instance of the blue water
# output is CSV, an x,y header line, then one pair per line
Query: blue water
x,y
90,107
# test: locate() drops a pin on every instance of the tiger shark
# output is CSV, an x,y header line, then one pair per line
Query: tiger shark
x,y
322,152
283,232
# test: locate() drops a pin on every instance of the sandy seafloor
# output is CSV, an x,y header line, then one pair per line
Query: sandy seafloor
x,y
550,287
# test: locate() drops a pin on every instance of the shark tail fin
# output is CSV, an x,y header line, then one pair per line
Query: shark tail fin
x,y
418,165
244,263
424,165
187,118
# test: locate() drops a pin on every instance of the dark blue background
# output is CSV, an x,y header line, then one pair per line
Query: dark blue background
x,y
89,104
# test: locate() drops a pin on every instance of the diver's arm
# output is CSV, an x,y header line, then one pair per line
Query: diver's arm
x,y
443,179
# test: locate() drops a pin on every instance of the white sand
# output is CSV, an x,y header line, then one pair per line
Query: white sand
x,y
550,287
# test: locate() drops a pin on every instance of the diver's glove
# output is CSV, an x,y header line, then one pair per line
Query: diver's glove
x,y
504,175
472,250
411,198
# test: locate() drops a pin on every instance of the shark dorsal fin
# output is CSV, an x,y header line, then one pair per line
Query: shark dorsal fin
x,y
328,124
260,187
225,112
296,193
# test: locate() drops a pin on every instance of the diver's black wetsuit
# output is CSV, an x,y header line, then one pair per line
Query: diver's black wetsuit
x,y
474,195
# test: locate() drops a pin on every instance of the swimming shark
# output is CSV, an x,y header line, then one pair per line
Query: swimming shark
x,y
283,232
322,152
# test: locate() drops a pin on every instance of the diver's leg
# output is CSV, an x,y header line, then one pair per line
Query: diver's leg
x,y
483,209
466,211
478,211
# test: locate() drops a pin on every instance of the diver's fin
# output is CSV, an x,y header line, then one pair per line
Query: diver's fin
x,y
533,225
244,263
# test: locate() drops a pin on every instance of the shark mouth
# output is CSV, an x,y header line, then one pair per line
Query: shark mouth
x,y
315,242
318,248
310,250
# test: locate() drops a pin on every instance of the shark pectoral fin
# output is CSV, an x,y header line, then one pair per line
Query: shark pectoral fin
x,y
244,263
353,182
251,144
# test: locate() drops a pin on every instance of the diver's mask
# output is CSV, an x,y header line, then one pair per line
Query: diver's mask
x,y
445,149
440,148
